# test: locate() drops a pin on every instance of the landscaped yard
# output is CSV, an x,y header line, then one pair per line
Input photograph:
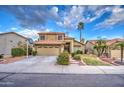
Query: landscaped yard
x,y
11,59
93,60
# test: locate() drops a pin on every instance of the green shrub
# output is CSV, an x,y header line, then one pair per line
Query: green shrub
x,y
77,57
78,52
63,59
34,53
1,56
18,52
30,51
72,54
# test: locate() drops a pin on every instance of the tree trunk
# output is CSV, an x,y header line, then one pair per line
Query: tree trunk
x,y
121,53
98,50
80,35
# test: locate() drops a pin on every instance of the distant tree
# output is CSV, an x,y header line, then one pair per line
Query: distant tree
x,y
23,45
80,28
100,47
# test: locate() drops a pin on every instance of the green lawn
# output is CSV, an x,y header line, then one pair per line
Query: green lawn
x,y
92,60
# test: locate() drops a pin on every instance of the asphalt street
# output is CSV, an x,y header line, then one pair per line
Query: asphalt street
x,y
61,80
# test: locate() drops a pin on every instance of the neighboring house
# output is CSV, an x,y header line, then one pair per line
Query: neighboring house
x,y
89,47
8,41
54,43
113,51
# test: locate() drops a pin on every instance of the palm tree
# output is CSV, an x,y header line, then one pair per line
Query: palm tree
x,y
121,44
80,28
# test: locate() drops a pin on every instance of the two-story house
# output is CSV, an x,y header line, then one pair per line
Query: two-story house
x,y
54,43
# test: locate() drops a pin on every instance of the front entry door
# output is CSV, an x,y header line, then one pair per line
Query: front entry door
x,y
67,47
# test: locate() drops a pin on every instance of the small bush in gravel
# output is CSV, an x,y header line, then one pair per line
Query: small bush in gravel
x,y
63,58
78,52
77,57
73,54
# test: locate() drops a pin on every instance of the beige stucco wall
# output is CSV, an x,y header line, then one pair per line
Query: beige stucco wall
x,y
115,53
9,41
52,37
2,44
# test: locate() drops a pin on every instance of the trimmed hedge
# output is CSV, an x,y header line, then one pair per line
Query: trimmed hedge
x,y
63,59
18,52
77,57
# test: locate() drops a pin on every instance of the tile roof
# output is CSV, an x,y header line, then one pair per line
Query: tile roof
x,y
49,42
78,42
51,33
92,41
109,42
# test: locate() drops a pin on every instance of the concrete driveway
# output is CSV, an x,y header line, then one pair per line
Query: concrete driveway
x,y
47,64
32,64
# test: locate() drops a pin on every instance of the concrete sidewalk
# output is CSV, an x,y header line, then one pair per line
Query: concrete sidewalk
x,y
48,65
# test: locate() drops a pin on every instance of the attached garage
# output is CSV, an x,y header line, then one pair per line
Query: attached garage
x,y
48,50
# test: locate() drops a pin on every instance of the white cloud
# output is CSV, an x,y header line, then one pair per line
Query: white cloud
x,y
13,28
54,11
29,33
98,12
32,33
34,17
116,17
72,17
31,17
85,14
59,24
48,30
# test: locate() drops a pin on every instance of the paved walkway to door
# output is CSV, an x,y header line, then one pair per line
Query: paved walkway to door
x,y
47,64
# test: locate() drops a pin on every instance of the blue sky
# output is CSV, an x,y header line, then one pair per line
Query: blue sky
x,y
100,21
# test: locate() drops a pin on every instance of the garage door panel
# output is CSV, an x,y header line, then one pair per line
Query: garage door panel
x,y
48,51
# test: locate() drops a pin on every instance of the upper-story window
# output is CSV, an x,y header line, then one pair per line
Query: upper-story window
x,y
59,37
42,37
